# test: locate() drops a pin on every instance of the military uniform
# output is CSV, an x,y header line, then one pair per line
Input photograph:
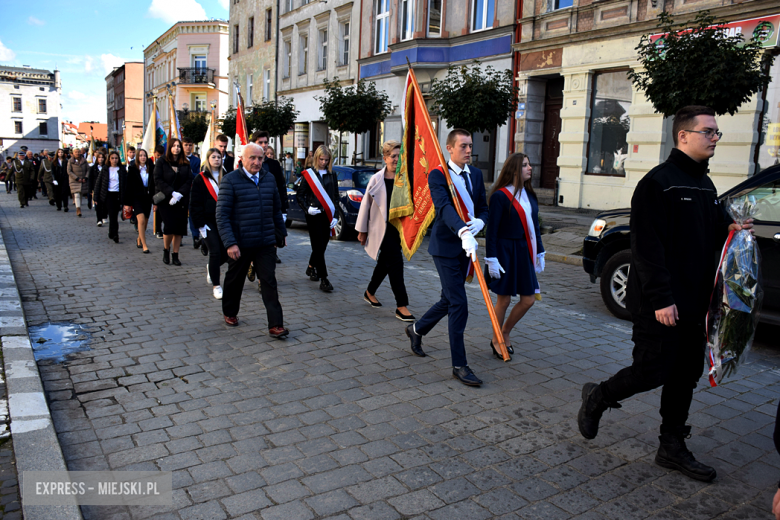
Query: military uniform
x,y
25,173
46,175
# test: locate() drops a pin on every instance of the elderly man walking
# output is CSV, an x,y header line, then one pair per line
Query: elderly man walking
x,y
250,223
24,170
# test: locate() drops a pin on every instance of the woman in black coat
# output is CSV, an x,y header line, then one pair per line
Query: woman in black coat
x,y
109,188
316,220
94,172
172,177
139,193
203,209
59,167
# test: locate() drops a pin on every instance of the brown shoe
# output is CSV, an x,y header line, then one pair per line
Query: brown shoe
x,y
78,211
231,320
278,332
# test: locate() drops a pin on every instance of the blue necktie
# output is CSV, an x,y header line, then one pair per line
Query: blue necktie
x,y
254,178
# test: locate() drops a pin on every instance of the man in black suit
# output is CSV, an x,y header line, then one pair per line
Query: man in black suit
x,y
261,137
221,142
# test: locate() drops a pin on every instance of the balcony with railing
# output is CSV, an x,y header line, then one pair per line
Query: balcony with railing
x,y
196,76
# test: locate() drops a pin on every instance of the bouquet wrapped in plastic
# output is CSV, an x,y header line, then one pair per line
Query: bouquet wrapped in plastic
x,y
736,299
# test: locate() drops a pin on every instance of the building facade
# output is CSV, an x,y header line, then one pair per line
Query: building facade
x,y
252,63
29,109
590,134
126,104
434,35
187,66
316,43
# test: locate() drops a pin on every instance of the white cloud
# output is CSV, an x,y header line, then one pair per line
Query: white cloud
x,y
172,11
35,21
224,4
89,64
6,54
75,94
109,61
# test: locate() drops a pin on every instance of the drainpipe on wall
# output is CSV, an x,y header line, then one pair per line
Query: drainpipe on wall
x,y
279,145
515,70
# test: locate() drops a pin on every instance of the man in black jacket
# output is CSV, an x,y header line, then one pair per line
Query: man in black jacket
x,y
250,224
261,137
677,230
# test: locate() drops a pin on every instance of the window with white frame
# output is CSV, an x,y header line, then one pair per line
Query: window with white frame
x,y
17,104
41,106
303,56
344,43
382,25
407,19
482,16
199,102
266,84
287,61
434,18
322,50
249,85
199,61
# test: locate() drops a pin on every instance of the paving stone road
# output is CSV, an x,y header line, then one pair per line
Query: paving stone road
x,y
340,420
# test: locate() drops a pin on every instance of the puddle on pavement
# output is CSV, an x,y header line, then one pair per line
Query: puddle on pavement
x,y
55,341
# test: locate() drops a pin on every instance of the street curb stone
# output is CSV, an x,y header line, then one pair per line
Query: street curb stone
x,y
36,446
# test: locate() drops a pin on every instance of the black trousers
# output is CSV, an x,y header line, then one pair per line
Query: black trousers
x,y
217,255
319,236
10,182
264,259
390,262
111,209
672,357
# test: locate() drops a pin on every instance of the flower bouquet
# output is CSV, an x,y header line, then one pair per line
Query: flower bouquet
x,y
736,300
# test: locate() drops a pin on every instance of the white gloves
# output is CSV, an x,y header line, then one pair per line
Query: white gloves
x,y
539,267
176,197
494,268
475,224
333,223
469,243
55,183
203,231
284,217
313,211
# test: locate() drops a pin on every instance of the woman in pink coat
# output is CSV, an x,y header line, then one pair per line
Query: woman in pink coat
x,y
380,239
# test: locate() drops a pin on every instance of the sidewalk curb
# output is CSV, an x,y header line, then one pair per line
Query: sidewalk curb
x,y
36,446
551,256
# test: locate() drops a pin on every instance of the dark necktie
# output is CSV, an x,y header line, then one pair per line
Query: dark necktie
x,y
465,178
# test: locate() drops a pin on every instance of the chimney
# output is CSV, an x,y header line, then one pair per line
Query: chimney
x,y
57,83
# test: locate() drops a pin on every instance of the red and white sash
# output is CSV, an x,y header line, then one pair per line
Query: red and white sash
x,y
319,191
466,205
209,187
528,227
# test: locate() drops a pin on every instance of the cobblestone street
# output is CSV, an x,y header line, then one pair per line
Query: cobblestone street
x,y
341,420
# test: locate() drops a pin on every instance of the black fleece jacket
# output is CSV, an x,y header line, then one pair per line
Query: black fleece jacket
x,y
678,229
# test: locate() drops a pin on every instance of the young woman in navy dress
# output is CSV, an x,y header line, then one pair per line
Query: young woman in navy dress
x,y
514,252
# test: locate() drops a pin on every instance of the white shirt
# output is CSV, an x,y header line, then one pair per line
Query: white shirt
x,y
144,176
459,178
250,175
214,184
113,178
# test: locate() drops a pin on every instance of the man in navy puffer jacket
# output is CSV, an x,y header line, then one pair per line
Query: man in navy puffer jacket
x,y
249,218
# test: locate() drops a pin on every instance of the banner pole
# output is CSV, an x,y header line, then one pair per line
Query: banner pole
x,y
477,269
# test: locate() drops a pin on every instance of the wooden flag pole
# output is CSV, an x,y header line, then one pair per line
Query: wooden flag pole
x,y
477,269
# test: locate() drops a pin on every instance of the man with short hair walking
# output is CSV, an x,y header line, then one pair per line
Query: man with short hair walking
x,y
677,230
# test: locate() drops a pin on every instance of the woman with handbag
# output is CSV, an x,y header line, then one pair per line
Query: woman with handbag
x,y
514,253
109,188
139,193
203,211
172,179
380,239
317,185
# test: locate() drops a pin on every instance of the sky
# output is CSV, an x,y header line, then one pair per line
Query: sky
x,y
85,44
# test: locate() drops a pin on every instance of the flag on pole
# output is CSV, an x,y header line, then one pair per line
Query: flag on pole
x,y
160,137
242,136
148,142
122,150
173,120
91,152
411,207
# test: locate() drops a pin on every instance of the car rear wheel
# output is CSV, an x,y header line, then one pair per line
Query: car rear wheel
x,y
343,231
288,222
614,282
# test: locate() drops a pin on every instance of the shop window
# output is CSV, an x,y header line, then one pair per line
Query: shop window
x,y
609,124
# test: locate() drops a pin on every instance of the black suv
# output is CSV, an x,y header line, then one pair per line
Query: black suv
x,y
607,248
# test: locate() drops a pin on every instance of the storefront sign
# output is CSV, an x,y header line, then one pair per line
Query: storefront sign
x,y
764,30
301,135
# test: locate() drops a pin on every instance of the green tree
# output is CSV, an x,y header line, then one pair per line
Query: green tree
x,y
475,99
355,109
275,117
699,65
194,125
228,123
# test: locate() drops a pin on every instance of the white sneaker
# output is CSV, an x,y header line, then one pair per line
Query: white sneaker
x,y
100,223
208,275
104,221
217,292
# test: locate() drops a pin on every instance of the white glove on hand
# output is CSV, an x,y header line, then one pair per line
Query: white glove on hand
x,y
284,217
313,211
494,268
203,231
55,183
333,223
176,197
469,243
539,267
475,224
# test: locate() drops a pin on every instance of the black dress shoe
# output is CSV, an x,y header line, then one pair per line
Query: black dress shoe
x,y
416,340
404,317
325,285
166,256
195,243
373,304
466,376
312,274
497,354
116,240
175,259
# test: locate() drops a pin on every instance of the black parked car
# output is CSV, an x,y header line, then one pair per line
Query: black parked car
x,y
352,185
607,248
